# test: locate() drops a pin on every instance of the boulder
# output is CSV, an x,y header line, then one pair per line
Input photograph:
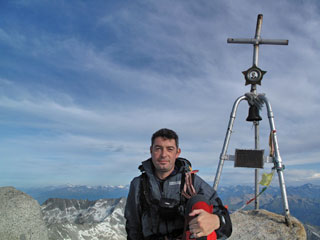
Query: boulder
x,y
20,216
262,224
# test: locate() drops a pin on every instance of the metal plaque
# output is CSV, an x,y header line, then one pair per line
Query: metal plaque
x,y
253,75
249,158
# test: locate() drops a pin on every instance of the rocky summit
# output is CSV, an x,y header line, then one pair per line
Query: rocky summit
x,y
262,224
20,216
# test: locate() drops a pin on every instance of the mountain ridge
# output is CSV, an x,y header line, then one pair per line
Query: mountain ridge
x,y
302,199
103,219
85,219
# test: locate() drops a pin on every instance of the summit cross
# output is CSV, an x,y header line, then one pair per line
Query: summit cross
x,y
257,40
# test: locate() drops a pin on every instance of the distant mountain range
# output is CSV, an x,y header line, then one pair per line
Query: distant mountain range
x,y
77,192
103,219
304,201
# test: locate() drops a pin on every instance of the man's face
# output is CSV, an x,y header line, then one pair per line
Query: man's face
x,y
164,153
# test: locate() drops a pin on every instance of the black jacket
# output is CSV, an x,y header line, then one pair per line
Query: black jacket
x,y
147,224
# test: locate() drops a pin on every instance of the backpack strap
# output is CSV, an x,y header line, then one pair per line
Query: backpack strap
x,y
144,193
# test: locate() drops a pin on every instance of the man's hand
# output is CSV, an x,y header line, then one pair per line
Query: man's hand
x,y
204,223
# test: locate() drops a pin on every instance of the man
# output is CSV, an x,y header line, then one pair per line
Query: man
x,y
157,200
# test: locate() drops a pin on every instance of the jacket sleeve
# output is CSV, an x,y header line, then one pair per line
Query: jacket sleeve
x,y
133,212
225,229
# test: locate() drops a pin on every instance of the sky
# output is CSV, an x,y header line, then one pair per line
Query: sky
x,y
84,85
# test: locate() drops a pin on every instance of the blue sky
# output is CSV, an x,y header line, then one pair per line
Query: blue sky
x,y
84,84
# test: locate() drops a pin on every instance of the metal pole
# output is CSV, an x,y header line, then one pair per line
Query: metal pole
x,y
277,159
226,141
256,171
257,37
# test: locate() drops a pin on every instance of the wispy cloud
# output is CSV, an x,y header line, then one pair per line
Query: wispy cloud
x,y
315,176
79,92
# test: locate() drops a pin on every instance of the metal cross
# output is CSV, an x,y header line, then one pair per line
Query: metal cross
x,y
257,40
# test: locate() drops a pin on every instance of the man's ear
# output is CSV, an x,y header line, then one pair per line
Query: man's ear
x,y
150,149
178,152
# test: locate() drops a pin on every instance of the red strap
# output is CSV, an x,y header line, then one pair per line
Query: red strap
x,y
188,188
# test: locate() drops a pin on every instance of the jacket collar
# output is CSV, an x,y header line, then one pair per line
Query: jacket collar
x,y
148,167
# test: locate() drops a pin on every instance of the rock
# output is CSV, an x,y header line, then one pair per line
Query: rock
x,y
20,216
262,224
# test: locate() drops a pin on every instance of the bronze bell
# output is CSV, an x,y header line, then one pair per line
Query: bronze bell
x,y
253,114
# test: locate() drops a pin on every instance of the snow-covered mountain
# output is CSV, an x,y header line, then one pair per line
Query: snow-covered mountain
x,y
313,232
103,219
304,201
84,219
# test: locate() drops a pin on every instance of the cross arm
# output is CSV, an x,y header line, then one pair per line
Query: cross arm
x,y
258,41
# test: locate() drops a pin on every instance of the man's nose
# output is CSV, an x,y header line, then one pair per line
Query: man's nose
x,y
164,153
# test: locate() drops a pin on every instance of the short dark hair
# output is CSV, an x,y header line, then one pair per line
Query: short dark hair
x,y
166,134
